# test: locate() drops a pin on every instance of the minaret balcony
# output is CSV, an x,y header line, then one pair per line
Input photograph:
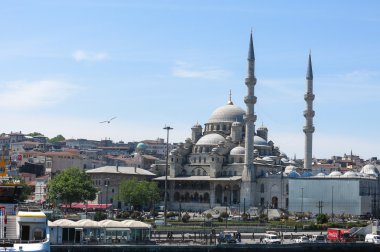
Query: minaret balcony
x,y
250,99
309,97
308,129
308,113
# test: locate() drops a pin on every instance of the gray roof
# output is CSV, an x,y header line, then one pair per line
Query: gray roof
x,y
227,113
201,178
121,170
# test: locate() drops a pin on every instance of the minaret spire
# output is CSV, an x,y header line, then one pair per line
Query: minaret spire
x,y
309,113
249,172
230,100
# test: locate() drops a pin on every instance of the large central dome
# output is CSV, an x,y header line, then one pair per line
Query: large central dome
x,y
227,113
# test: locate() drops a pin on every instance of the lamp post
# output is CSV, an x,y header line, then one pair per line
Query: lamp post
x,y
332,203
167,128
302,200
107,184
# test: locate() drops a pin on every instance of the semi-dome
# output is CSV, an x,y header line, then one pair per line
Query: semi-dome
x,y
227,113
210,139
238,150
335,174
259,141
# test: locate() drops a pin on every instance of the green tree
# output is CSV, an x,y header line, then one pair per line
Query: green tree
x,y
138,193
35,134
322,218
58,138
71,185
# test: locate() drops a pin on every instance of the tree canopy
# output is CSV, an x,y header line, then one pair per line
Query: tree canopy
x,y
58,138
71,185
138,193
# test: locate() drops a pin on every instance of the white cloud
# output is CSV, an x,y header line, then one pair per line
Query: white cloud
x,y
184,70
81,55
19,95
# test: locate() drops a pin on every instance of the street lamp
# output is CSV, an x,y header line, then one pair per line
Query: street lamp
x,y
302,200
167,128
107,184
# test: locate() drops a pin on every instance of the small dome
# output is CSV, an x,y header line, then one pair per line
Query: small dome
x,y
259,141
210,139
227,113
335,174
238,150
321,174
197,125
141,146
350,174
307,174
293,174
290,168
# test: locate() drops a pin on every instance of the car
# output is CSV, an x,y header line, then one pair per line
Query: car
x,y
318,239
372,238
227,237
302,239
271,239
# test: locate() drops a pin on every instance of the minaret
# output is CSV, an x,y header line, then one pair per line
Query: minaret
x,y
249,173
309,114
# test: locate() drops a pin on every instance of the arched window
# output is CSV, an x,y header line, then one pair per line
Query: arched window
x,y
232,160
204,173
218,127
262,188
241,160
224,127
199,172
193,172
204,160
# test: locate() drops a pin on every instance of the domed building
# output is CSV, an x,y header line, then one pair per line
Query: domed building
x,y
227,161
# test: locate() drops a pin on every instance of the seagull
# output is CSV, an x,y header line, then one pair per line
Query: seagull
x,y
108,121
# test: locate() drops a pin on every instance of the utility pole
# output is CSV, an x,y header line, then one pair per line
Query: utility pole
x,y
320,207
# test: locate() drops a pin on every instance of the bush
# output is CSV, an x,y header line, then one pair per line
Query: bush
x,y
208,215
123,215
100,216
224,215
136,215
322,218
171,214
185,218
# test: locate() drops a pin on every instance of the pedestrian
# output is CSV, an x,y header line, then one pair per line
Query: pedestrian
x,y
261,239
291,236
253,236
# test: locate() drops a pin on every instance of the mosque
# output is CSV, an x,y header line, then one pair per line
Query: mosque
x,y
229,163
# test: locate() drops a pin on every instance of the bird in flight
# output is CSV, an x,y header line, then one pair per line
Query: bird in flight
x,y
108,121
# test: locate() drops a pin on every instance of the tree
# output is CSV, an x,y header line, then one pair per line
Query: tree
x,y
322,218
58,138
71,185
138,193
35,134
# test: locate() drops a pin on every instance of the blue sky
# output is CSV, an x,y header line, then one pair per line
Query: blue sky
x,y
67,65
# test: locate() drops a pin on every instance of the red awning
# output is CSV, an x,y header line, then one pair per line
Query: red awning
x,y
87,206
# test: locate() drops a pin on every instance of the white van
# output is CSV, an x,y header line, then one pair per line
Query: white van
x,y
372,238
272,239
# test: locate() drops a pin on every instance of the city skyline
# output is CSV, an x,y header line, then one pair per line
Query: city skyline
x,y
66,67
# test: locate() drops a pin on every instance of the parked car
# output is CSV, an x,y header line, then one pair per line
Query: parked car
x,y
372,238
272,239
227,237
302,239
318,239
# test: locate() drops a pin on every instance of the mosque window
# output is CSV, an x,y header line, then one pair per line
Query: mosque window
x,y
286,202
224,127
287,188
193,172
262,188
218,127
232,160
172,159
204,160
198,172
212,159
240,160
199,159
204,173
212,127
194,160
224,173
235,173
